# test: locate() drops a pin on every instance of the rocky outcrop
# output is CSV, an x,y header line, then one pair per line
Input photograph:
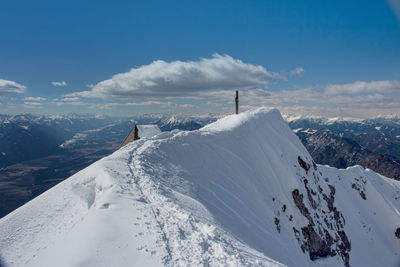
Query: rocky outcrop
x,y
324,235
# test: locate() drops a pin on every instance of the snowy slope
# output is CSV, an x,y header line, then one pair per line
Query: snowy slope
x,y
146,131
240,191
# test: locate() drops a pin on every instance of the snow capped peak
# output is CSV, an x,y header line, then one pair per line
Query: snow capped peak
x,y
260,115
388,116
241,191
173,120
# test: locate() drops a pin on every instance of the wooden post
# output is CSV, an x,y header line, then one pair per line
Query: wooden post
x,y
136,133
237,101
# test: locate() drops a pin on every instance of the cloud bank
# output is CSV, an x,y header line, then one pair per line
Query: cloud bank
x,y
30,98
359,99
11,87
184,79
32,105
208,84
360,87
140,104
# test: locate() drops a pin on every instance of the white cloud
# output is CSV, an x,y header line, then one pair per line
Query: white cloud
x,y
62,83
395,5
70,99
186,105
297,71
214,104
348,101
77,103
318,101
361,87
11,87
32,105
30,98
140,104
184,79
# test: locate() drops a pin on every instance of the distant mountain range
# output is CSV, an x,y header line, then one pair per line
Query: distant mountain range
x,y
372,143
37,152
27,137
242,191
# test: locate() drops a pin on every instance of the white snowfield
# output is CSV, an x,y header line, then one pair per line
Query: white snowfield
x,y
147,131
242,191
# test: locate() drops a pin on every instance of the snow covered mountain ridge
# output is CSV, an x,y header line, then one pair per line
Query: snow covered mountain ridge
x,y
329,120
240,191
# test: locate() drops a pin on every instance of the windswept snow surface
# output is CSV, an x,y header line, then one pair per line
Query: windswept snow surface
x,y
146,131
240,191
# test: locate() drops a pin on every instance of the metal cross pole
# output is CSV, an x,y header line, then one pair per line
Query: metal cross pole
x,y
237,101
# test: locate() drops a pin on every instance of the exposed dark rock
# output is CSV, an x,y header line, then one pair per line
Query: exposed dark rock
x,y
313,192
276,221
397,233
317,241
303,164
344,248
329,200
314,165
320,189
317,247
298,200
310,198
345,240
360,191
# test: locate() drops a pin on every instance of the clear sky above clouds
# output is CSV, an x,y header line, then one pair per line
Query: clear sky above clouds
x,y
330,58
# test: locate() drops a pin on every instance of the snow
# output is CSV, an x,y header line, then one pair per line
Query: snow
x,y
371,235
343,119
205,197
146,131
308,130
327,120
173,120
77,137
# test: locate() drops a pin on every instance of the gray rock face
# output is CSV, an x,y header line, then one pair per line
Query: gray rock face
x,y
316,237
333,149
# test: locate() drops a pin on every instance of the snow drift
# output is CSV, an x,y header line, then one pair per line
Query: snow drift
x,y
240,191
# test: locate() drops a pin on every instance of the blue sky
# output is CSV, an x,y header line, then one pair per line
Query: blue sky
x,y
329,58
